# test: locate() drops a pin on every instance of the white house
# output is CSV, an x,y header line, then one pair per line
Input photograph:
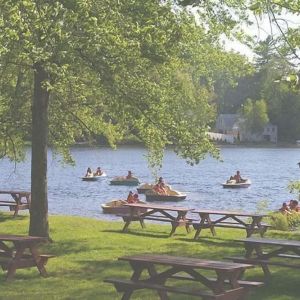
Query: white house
x,y
230,124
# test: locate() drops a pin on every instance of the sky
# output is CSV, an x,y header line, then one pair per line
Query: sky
x,y
260,29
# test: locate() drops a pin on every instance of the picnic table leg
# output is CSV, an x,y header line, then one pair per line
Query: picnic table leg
x,y
256,225
233,281
265,267
198,231
152,272
249,250
262,229
142,223
127,223
174,226
16,210
211,226
38,261
13,265
137,271
180,218
204,218
17,199
187,227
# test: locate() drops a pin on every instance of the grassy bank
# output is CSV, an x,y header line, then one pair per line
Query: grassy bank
x,y
87,252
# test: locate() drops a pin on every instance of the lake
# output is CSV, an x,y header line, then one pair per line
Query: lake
x,y
270,170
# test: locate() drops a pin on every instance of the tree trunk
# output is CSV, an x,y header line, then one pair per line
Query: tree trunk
x,y
39,225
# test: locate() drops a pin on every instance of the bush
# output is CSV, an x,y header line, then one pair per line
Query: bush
x,y
279,221
284,222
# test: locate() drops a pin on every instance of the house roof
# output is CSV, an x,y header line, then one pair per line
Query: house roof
x,y
226,121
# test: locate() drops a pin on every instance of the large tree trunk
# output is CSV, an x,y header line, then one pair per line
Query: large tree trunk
x,y
39,201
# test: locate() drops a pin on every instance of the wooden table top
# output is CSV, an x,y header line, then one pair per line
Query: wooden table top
x,y
186,262
276,242
157,206
228,213
21,238
15,192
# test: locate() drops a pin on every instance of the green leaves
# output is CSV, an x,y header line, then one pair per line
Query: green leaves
x,y
116,68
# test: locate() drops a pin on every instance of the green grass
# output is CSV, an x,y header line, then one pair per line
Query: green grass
x,y
87,252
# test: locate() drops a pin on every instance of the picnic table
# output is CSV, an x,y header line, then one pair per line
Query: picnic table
x,y
225,285
162,213
229,219
20,200
264,252
23,254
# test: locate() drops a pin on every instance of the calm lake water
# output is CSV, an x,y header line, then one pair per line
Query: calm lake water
x,y
270,170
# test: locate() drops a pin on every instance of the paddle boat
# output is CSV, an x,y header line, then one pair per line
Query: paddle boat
x,y
144,187
123,180
232,184
118,207
94,177
171,195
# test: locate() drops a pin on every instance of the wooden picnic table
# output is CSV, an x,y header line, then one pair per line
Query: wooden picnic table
x,y
22,254
225,285
264,252
21,200
229,219
162,213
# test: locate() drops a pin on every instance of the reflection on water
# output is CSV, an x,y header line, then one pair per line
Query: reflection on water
x,y
270,170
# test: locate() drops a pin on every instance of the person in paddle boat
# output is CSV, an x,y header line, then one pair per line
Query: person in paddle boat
x,y
129,175
89,172
160,187
136,198
130,198
237,177
98,172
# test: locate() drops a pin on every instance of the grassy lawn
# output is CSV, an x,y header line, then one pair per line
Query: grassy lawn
x,y
87,252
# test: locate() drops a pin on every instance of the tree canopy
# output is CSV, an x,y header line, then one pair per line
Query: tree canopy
x,y
77,68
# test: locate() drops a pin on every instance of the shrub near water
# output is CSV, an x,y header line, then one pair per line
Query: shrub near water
x,y
279,221
284,222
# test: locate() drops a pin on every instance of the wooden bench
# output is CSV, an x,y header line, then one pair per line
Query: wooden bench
x,y
23,255
226,286
10,204
244,283
122,285
255,261
21,201
229,219
234,226
176,216
277,249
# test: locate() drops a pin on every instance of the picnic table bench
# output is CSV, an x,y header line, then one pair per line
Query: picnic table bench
x,y
265,252
162,213
229,219
225,286
20,201
23,254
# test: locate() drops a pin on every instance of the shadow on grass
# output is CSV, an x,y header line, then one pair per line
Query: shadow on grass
x,y
9,217
143,233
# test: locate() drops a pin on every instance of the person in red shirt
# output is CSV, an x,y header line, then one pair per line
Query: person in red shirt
x,y
160,187
136,198
130,197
